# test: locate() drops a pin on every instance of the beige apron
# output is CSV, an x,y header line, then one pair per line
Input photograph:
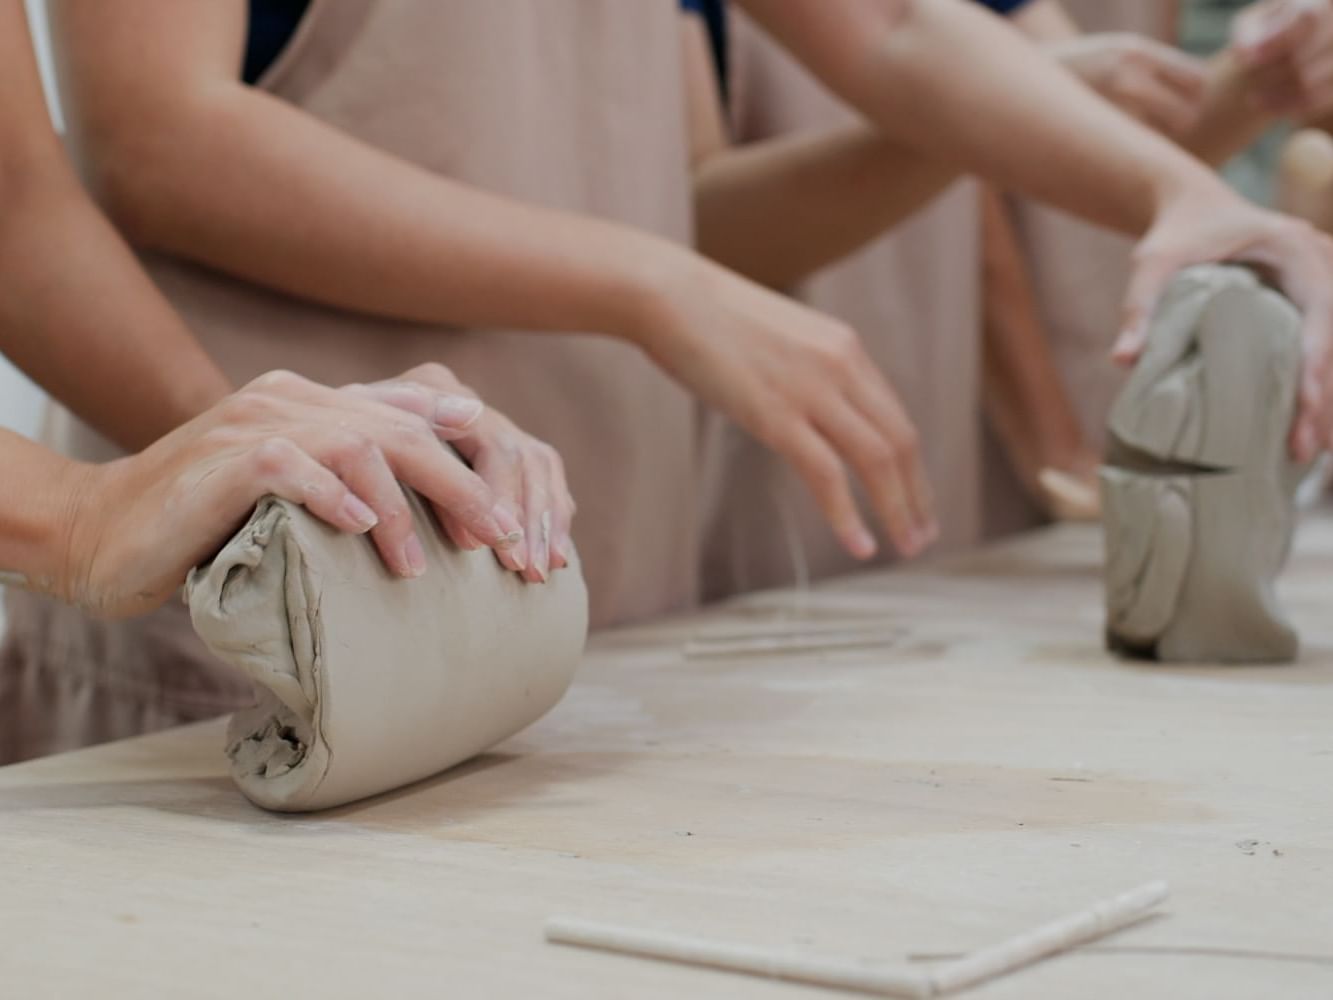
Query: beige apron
x,y
1079,273
569,103
914,296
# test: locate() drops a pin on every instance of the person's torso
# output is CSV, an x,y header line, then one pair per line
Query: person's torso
x,y
574,104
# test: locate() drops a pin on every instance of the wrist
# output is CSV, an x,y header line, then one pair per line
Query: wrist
x,y
654,278
1187,183
40,516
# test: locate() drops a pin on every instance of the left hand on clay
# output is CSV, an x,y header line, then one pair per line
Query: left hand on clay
x,y
1286,47
1215,225
526,475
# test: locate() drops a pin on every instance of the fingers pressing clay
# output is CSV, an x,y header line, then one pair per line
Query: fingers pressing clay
x,y
365,683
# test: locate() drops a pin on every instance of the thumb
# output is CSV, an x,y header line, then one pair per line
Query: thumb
x,y
1146,287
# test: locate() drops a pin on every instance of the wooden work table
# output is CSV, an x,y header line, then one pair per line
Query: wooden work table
x,y
990,769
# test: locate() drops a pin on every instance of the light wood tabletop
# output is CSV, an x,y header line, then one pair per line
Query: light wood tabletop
x,y
976,766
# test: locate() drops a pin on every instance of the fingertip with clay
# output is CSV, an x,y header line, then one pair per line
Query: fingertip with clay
x,y
860,542
1304,440
541,556
413,560
1128,347
509,541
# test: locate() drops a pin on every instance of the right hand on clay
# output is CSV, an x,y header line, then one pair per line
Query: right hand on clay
x,y
1161,86
527,475
140,523
801,383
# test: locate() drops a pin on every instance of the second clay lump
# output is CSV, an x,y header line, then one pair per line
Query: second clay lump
x,y
1198,488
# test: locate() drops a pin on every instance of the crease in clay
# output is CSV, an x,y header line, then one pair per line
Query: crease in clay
x,y
366,682
1198,488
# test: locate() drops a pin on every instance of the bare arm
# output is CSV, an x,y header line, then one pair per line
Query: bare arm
x,y
949,79
944,77
1214,117
191,161
76,313
781,209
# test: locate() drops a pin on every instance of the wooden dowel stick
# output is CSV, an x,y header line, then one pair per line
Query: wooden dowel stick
x,y
877,981
1059,935
701,648
880,980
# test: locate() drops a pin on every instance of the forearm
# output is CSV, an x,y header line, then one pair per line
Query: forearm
x,y
780,210
1230,121
81,319
254,187
961,86
38,495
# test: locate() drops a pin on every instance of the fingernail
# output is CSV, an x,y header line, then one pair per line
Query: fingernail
x,y
512,531
559,553
1305,444
414,557
542,557
863,544
458,412
1127,348
356,512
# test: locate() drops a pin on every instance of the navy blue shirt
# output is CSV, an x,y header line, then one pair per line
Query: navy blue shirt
x,y
1003,6
272,24
714,13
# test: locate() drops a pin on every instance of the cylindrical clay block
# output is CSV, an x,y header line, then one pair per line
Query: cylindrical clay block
x,y
367,682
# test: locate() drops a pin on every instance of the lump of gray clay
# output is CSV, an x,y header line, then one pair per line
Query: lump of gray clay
x,y
367,682
1198,491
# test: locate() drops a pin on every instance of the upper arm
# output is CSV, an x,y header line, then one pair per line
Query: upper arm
x,y
131,73
26,134
122,64
1045,21
835,39
707,124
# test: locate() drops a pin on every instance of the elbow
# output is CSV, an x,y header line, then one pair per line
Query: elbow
x,y
117,169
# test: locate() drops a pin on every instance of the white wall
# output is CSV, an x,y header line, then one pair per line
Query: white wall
x,y
20,400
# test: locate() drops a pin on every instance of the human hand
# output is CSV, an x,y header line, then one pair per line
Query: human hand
x,y
137,525
1160,85
802,384
1286,50
527,476
1217,225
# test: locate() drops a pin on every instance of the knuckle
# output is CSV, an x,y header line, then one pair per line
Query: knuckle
x,y
839,350
881,457
280,381
825,474
244,407
412,428
356,445
272,457
431,373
